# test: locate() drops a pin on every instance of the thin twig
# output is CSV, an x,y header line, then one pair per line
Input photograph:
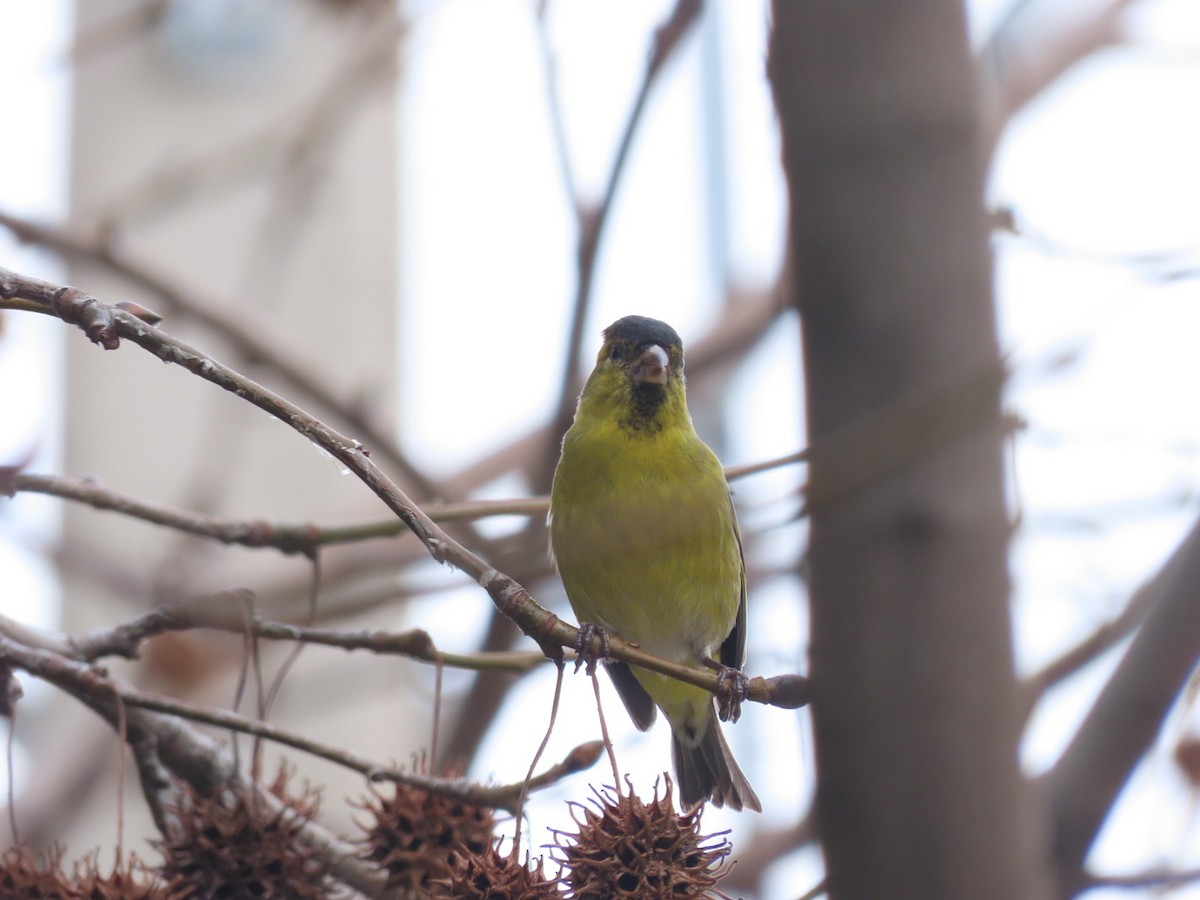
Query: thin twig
x,y
592,220
558,124
608,746
222,612
766,847
1144,880
253,341
122,729
742,322
286,537
156,784
732,473
1018,63
484,697
1122,724
309,618
10,740
435,728
292,537
520,813
1103,639
499,796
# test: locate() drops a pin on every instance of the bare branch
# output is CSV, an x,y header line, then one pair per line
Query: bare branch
x,y
558,125
253,340
102,693
155,780
301,538
292,537
108,325
1021,59
732,473
1098,642
742,322
767,848
1144,881
592,220
1122,724
227,611
500,797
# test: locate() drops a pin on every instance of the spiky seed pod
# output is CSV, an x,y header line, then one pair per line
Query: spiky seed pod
x,y
628,848
25,876
234,846
492,876
419,837
129,880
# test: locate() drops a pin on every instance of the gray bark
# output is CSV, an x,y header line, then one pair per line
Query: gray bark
x,y
916,715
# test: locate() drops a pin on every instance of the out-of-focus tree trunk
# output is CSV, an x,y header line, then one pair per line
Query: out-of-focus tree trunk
x,y
919,791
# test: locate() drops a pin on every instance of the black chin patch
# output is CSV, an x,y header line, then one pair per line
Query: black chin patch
x,y
648,399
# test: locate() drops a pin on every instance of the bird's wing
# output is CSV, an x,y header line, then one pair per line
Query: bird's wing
x,y
733,648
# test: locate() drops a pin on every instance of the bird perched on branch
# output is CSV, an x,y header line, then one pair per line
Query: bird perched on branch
x,y
646,540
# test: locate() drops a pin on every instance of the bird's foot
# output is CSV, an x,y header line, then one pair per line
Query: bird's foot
x,y
731,690
585,651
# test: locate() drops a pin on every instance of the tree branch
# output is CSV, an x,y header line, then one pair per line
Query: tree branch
x,y
228,611
102,694
1144,881
592,220
254,341
1103,639
1085,782
742,322
292,537
1018,63
107,325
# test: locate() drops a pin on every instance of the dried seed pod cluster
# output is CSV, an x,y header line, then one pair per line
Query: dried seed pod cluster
x,y
243,843
236,844
626,847
420,838
494,876
24,874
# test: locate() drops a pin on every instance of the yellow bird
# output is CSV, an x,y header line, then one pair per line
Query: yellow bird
x,y
646,540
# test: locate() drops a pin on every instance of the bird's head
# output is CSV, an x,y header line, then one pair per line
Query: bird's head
x,y
638,378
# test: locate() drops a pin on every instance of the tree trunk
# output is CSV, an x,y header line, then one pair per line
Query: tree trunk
x,y
916,717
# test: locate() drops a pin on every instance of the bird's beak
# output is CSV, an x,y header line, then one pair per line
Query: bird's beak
x,y
651,366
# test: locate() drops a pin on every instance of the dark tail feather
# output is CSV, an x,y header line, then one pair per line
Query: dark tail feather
x,y
637,702
709,770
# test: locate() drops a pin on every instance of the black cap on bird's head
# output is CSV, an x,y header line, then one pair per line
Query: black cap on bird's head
x,y
640,330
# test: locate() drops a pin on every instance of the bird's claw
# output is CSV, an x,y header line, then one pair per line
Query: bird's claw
x,y
585,655
731,692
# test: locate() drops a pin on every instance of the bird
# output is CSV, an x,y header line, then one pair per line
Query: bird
x,y
646,541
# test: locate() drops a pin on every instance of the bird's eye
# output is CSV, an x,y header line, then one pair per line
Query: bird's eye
x,y
616,352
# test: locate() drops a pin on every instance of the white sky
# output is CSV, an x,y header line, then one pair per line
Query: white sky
x,y
1100,168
